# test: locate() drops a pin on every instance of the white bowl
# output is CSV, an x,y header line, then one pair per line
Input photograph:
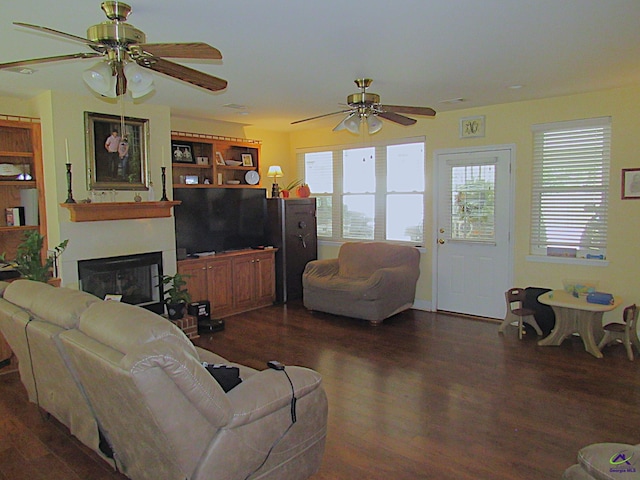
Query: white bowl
x,y
233,163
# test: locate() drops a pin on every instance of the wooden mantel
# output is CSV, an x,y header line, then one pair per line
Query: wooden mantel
x,y
95,212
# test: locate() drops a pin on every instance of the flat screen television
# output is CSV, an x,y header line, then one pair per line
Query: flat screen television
x,y
220,219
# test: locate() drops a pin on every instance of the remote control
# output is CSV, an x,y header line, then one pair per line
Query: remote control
x,y
275,365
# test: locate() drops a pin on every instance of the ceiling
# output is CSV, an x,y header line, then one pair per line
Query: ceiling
x,y
291,59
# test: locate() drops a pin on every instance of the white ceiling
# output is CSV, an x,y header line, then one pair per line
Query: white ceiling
x,y
291,59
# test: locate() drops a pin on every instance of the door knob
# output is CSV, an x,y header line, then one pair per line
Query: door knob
x,y
442,230
441,241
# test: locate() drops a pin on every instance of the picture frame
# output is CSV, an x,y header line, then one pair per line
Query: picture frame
x,y
219,159
181,153
630,189
126,167
247,160
472,127
191,179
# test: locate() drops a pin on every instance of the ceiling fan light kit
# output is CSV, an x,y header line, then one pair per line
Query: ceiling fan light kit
x,y
366,108
127,61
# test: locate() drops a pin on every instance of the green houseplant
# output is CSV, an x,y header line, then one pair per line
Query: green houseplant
x,y
176,296
286,191
29,262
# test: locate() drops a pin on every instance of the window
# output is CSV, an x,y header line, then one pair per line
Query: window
x,y
368,193
570,188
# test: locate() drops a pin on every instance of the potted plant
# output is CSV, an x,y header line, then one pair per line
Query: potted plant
x,y
287,190
29,262
175,295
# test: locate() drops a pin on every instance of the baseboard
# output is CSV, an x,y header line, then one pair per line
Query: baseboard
x,y
424,305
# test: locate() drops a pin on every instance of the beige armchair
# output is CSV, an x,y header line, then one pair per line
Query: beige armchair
x,y
368,280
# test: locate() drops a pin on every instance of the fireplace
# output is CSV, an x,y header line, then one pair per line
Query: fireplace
x,y
136,278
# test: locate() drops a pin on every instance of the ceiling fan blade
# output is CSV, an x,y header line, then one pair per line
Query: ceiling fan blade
x,y
426,111
320,116
22,63
186,74
68,36
182,50
397,118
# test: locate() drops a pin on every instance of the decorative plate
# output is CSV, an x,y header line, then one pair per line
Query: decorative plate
x,y
252,177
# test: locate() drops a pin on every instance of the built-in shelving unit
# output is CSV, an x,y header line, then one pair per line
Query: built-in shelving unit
x,y
21,147
201,167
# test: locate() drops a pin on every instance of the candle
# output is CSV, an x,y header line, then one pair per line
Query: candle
x,y
163,156
66,144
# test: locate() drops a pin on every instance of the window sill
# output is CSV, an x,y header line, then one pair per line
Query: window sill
x,y
568,260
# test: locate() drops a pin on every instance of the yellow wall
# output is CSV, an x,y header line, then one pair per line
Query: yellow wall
x,y
511,124
61,116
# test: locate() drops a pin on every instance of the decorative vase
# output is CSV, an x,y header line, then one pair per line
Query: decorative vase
x,y
303,191
284,193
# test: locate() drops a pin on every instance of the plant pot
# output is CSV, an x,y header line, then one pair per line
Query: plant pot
x,y
175,311
284,193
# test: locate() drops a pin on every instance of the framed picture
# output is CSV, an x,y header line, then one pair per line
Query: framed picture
x,y
247,160
630,183
181,153
472,127
117,152
219,159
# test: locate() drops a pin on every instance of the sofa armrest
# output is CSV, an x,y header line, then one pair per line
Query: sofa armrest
x,y
269,391
402,279
321,268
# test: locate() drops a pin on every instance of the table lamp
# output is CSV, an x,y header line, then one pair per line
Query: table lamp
x,y
275,171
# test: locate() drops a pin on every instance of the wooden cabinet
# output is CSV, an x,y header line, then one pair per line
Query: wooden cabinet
x,y
199,161
21,157
232,282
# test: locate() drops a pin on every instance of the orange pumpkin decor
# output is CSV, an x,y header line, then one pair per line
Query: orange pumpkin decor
x,y
303,191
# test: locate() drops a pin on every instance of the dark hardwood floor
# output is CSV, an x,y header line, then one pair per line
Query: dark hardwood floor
x,y
423,396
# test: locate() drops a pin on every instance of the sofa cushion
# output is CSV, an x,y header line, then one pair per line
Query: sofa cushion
x,y
362,259
123,327
60,306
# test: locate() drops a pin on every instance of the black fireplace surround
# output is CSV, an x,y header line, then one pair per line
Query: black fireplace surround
x,y
138,278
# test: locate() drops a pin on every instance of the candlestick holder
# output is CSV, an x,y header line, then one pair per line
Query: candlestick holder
x,y
69,191
164,185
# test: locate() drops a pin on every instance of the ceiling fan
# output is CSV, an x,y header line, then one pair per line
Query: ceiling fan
x,y
124,50
366,107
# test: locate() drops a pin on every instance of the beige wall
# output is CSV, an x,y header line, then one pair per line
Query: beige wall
x,y
511,124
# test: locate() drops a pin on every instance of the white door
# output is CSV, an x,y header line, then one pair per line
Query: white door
x,y
472,252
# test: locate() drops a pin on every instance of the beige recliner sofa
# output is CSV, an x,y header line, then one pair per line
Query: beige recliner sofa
x,y
141,380
368,280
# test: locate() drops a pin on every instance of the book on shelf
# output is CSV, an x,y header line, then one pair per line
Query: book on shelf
x,y
14,216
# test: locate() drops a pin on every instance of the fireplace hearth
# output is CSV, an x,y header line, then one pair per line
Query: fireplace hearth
x,y
136,278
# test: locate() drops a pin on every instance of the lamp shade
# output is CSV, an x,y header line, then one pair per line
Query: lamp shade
x,y
275,171
353,124
100,79
139,80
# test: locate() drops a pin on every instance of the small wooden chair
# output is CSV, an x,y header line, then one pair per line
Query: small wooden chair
x,y
517,314
623,332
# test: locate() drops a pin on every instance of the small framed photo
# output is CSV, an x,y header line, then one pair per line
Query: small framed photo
x,y
472,127
630,183
247,160
182,153
219,159
191,179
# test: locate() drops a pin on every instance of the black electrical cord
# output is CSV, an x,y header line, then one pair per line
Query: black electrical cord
x,y
280,367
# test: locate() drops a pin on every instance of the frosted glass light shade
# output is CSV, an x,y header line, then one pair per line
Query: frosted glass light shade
x,y
139,80
100,79
353,124
374,123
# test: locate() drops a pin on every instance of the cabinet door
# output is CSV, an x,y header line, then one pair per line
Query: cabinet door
x,y
220,286
196,280
265,281
244,281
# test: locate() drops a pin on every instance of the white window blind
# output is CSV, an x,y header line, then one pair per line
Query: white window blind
x,y
570,188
